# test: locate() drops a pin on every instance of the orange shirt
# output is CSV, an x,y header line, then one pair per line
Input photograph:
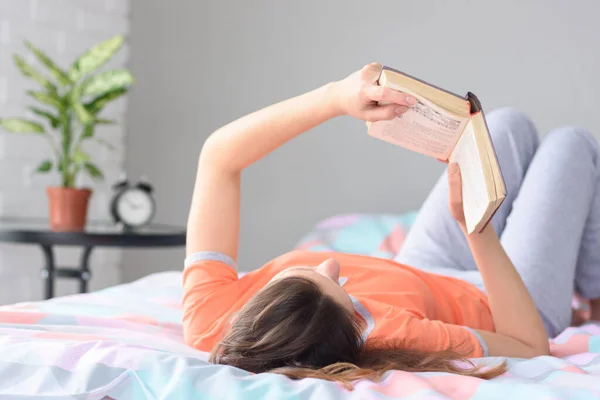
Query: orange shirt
x,y
428,311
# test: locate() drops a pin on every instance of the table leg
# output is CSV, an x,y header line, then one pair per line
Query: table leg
x,y
48,272
85,269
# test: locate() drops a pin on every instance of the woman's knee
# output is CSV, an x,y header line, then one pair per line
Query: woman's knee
x,y
573,140
510,116
514,126
515,139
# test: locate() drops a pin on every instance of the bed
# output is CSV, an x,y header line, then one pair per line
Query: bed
x,y
125,342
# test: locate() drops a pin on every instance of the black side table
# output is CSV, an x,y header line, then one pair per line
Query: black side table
x,y
103,234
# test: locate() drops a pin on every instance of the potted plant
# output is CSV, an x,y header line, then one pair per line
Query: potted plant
x,y
69,106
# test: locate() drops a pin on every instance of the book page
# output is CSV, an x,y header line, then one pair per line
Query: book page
x,y
480,128
474,188
424,128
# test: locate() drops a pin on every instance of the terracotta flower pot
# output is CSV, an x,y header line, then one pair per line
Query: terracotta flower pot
x,y
68,208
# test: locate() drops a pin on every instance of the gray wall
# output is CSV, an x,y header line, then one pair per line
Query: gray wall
x,y
201,64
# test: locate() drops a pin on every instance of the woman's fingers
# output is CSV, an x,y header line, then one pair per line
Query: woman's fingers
x,y
370,73
383,94
387,112
455,201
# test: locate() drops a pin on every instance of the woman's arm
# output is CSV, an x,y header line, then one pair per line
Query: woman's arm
x,y
519,328
213,222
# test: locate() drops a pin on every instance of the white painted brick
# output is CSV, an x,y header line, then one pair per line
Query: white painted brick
x,y
20,257
120,7
67,256
17,32
106,256
115,7
17,9
12,173
111,173
4,31
102,276
6,63
112,134
15,288
3,90
95,22
33,179
23,147
70,256
99,206
104,156
56,14
24,203
16,91
105,276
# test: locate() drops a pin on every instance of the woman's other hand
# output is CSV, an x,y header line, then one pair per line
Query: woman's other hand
x,y
359,96
455,200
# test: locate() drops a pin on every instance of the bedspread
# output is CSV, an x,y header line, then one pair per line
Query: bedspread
x,y
126,342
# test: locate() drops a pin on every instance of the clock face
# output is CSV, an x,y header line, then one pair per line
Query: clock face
x,y
135,207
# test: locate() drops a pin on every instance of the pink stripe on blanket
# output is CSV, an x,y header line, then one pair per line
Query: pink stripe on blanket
x,y
400,383
25,318
393,241
573,345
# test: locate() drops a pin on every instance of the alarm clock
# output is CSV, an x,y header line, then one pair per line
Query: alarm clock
x,y
133,205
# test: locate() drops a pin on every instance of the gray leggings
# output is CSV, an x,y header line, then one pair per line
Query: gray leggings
x,y
549,224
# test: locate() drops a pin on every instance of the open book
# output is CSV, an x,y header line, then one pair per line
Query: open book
x,y
451,128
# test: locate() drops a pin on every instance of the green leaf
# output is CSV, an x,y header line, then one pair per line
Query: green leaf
x,y
93,171
20,125
101,121
80,157
32,73
98,103
88,131
61,76
54,121
106,82
45,166
69,179
83,115
50,99
95,57
104,143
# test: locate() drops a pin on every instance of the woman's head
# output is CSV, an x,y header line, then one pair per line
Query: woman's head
x,y
293,323
326,275
302,324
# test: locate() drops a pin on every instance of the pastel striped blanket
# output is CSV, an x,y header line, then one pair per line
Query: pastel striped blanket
x,y
126,342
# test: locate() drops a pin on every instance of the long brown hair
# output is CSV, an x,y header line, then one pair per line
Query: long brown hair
x,y
292,328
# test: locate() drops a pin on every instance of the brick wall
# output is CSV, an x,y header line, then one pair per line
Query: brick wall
x,y
63,29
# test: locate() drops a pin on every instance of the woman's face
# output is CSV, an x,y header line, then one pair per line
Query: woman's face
x,y
326,275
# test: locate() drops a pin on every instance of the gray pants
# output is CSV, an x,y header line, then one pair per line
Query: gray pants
x,y
549,224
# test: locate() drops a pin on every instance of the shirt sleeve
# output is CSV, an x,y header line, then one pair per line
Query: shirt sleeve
x,y
431,335
210,290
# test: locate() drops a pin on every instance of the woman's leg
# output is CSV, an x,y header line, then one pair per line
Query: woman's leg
x,y
553,233
435,241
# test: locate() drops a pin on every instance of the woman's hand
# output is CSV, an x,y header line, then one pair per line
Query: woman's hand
x,y
455,201
358,96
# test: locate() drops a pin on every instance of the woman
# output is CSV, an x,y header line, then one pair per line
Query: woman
x,y
449,294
